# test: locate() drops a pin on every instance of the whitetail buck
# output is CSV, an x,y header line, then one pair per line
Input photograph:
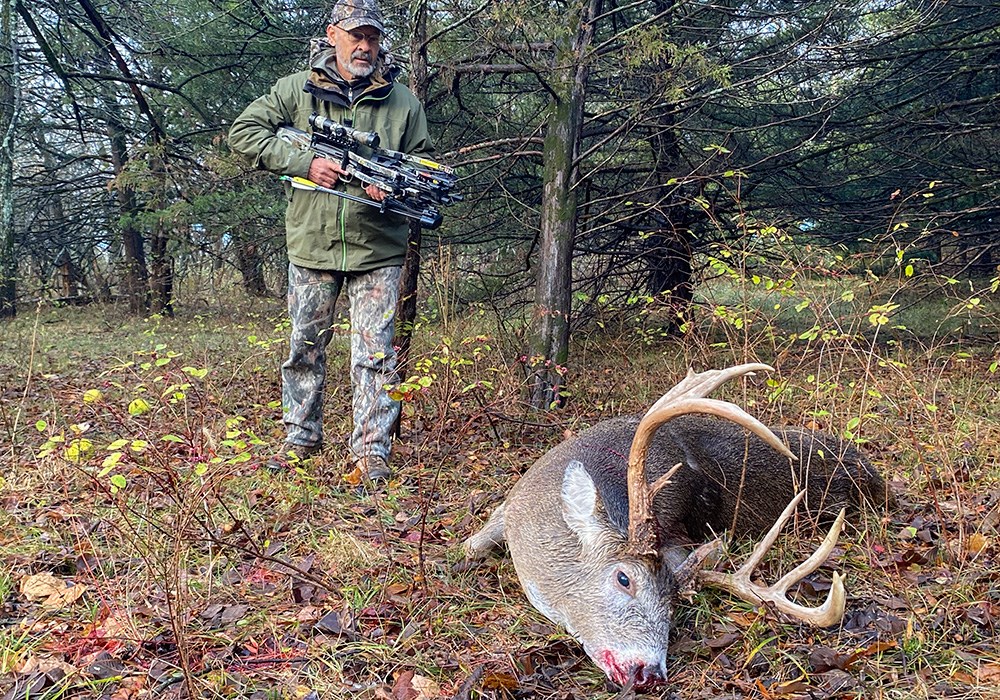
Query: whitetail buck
x,y
599,527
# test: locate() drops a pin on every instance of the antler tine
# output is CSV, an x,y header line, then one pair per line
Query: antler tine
x,y
740,585
701,384
642,536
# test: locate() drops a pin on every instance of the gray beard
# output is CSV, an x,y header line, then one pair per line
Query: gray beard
x,y
359,71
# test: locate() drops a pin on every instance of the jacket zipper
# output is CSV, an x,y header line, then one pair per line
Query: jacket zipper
x,y
344,203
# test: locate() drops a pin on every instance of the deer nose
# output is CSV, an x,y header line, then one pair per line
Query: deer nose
x,y
648,676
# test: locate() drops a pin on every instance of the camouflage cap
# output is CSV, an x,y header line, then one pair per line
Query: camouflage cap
x,y
351,14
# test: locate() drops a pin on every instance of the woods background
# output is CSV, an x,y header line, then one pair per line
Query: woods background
x,y
649,186
607,149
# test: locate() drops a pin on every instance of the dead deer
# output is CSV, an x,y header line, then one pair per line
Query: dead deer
x,y
598,527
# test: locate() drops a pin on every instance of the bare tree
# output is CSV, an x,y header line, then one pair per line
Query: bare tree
x,y
9,104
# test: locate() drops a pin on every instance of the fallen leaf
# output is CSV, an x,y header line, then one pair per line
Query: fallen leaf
x,y
426,688
963,677
988,674
67,596
403,688
397,589
976,544
41,586
129,688
796,687
34,664
745,620
500,681
309,613
824,659
724,641
39,685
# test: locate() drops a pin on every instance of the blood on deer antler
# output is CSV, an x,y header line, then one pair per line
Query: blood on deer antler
x,y
740,585
686,397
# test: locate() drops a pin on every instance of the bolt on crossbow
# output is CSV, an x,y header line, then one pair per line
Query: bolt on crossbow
x,y
415,186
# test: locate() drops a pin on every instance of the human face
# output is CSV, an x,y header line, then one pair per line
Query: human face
x,y
357,50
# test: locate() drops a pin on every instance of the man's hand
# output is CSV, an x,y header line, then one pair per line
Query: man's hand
x,y
375,193
325,172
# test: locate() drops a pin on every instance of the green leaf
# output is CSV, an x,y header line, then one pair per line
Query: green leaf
x,y
119,481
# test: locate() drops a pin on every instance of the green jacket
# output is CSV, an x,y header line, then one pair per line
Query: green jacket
x,y
325,232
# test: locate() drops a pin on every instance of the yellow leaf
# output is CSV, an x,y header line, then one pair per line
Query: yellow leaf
x,y
353,477
138,407
110,462
976,544
79,450
92,396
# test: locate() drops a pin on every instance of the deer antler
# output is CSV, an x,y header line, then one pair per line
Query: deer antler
x,y
704,383
686,397
739,584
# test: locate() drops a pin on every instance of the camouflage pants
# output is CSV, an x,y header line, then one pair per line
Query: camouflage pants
x,y
311,298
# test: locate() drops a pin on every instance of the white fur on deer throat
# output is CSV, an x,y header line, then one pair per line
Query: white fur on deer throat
x,y
542,605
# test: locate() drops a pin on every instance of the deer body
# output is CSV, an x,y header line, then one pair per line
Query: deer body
x,y
567,524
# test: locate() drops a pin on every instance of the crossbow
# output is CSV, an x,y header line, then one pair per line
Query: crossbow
x,y
416,187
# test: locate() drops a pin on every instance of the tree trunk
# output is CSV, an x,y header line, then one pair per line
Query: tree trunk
x,y
135,278
9,104
406,311
161,272
548,343
251,267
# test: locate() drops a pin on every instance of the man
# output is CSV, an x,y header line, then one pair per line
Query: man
x,y
334,244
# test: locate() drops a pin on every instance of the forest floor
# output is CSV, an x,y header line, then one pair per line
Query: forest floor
x,y
147,553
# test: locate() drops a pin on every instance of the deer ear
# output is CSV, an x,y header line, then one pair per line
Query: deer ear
x,y
580,508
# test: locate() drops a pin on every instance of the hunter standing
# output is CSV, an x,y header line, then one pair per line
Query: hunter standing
x,y
335,244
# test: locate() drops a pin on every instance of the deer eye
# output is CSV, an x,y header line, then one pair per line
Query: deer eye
x,y
624,581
